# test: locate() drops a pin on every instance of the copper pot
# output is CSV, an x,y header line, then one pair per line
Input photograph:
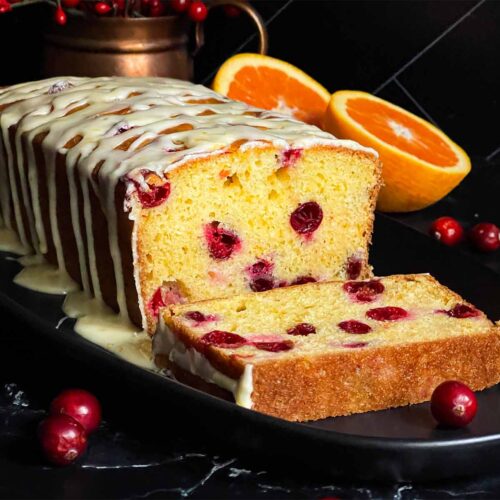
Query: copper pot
x,y
126,46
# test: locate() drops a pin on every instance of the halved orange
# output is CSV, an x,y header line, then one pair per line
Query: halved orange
x,y
269,83
420,164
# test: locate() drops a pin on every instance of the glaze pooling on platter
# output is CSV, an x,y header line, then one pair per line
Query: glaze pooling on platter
x,y
113,130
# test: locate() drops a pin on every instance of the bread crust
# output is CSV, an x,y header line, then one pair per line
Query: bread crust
x,y
344,383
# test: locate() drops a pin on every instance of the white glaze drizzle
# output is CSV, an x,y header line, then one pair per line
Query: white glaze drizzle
x,y
154,105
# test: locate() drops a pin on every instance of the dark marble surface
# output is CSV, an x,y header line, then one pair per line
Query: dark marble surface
x,y
437,59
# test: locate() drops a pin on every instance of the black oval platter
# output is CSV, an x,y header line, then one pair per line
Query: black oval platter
x,y
398,444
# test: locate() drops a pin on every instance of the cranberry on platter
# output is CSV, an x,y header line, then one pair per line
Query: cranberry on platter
x,y
453,404
62,439
485,237
80,405
447,230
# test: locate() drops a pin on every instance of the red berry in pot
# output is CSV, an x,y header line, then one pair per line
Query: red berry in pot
x,y
62,439
102,8
156,8
232,10
80,405
5,6
197,12
453,404
70,4
485,237
180,6
447,230
60,16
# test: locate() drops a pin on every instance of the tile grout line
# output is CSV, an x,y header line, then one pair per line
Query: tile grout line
x,y
429,46
250,38
414,101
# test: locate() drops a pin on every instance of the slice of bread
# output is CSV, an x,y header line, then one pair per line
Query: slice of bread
x,y
327,349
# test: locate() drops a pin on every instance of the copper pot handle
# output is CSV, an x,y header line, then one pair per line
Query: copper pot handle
x,y
245,7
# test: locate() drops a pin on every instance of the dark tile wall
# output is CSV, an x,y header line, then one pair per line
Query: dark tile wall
x,y
436,58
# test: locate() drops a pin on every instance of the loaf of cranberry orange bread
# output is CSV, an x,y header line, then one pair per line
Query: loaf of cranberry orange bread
x,y
327,349
153,191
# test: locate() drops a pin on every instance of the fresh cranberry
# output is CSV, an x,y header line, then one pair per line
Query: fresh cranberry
x,y
155,196
453,404
219,338
353,268
260,268
302,280
306,218
389,313
262,284
364,291
353,326
199,317
485,237
447,230
5,7
290,156
463,311
180,5
355,345
102,8
302,329
232,10
80,405
222,243
62,439
70,4
60,16
197,12
284,345
156,8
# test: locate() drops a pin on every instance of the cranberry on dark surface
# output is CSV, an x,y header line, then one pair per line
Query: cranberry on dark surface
x,y
353,268
306,218
447,230
485,237
302,329
364,291
220,338
284,345
199,317
463,311
388,313
222,243
453,404
262,284
354,326
62,439
79,404
302,280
